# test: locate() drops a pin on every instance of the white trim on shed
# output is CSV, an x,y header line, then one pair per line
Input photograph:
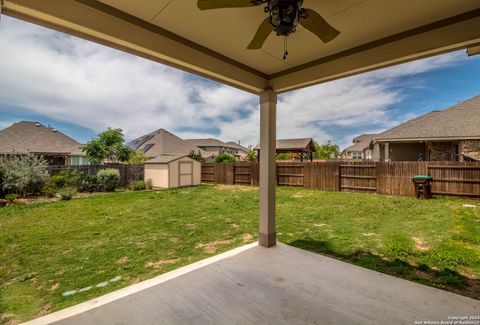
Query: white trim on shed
x,y
168,171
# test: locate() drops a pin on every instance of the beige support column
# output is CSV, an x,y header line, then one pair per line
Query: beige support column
x,y
387,151
268,125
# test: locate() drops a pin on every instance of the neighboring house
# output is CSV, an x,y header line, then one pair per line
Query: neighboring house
x,y
214,147
237,149
360,148
452,134
301,146
161,142
33,137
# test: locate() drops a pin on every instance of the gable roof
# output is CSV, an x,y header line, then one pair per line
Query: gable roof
x,y
234,145
361,142
164,159
298,144
27,136
210,142
161,142
461,121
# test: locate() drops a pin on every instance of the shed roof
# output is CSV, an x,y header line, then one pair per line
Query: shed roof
x,y
28,136
299,144
161,142
164,159
461,121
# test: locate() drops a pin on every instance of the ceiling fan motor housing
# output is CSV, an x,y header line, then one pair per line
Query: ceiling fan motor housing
x,y
284,15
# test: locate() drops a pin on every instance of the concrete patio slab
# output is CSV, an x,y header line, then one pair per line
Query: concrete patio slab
x,y
278,285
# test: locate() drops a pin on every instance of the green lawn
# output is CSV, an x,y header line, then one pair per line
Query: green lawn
x,y
49,250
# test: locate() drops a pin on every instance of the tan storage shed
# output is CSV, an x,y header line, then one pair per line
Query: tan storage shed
x,y
169,171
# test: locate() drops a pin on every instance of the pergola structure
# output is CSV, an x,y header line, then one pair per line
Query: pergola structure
x,y
373,34
301,147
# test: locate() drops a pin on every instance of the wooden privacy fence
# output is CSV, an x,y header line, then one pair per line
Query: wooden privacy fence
x,y
389,178
128,173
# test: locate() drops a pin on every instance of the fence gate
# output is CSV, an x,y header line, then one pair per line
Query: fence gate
x,y
242,173
357,178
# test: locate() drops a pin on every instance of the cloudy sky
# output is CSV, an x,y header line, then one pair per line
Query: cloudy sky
x,y
82,88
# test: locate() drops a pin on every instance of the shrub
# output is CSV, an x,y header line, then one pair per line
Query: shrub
x,y
148,184
90,184
224,158
23,174
137,186
109,179
73,177
49,190
10,198
57,181
67,193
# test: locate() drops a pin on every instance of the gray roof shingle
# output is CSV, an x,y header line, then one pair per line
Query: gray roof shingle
x,y
26,136
161,142
361,142
457,122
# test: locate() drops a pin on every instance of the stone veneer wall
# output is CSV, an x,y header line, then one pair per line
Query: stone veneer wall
x,y
469,146
440,151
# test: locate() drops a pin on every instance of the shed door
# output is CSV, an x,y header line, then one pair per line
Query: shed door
x,y
185,173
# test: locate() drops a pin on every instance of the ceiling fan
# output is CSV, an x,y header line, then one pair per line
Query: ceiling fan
x,y
284,16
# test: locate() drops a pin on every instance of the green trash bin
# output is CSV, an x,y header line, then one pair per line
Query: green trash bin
x,y
423,186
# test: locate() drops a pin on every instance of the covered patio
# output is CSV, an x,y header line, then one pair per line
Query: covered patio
x,y
280,285
286,285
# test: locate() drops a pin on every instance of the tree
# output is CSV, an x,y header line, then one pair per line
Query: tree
x,y
196,156
109,145
327,150
224,158
251,155
137,158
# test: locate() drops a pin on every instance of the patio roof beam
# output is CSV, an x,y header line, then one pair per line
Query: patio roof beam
x,y
451,34
100,23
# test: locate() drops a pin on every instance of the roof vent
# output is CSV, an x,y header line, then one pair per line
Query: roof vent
x,y
38,125
54,130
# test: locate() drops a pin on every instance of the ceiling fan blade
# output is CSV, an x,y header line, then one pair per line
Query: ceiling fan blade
x,y
319,26
261,35
216,4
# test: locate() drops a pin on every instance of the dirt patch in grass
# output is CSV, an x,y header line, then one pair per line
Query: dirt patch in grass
x,y
369,234
161,263
54,287
320,225
236,188
211,247
44,310
122,261
246,238
421,245
191,226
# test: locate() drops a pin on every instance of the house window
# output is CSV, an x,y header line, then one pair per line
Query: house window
x,y
75,160
356,155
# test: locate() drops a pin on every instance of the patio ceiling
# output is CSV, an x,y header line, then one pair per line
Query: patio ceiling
x,y
374,34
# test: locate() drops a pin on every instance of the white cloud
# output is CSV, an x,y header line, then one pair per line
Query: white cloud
x,y
71,80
